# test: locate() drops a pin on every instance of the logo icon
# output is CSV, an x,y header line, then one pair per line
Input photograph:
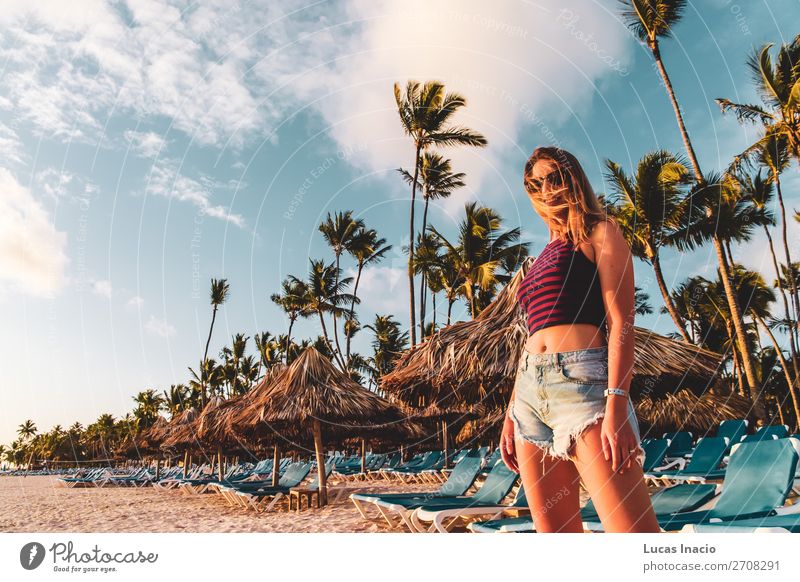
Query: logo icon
x,y
31,555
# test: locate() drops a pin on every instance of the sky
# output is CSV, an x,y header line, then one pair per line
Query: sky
x,y
147,146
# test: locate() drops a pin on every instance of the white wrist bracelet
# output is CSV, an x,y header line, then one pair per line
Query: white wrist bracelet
x,y
615,392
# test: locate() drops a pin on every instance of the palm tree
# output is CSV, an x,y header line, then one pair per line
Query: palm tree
x,y
148,405
436,180
340,232
269,349
426,260
366,247
176,399
325,295
651,21
293,301
776,84
220,290
753,286
27,430
426,113
649,208
760,191
720,212
449,278
481,251
387,346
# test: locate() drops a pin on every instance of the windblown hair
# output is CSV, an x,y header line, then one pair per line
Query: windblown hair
x,y
563,197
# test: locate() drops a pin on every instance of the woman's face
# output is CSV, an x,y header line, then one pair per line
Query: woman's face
x,y
541,169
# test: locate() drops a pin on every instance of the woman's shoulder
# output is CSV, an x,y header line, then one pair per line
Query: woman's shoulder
x,y
605,230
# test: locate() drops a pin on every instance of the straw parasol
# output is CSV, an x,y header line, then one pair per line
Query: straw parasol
x,y
684,410
476,361
313,391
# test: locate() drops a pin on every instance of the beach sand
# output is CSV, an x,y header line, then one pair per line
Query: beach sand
x,y
38,504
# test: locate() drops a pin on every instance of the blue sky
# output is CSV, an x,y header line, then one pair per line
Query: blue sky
x,y
149,145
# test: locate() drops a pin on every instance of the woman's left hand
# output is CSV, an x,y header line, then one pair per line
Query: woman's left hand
x,y
619,441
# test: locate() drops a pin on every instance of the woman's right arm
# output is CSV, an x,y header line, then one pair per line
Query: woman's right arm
x,y
507,449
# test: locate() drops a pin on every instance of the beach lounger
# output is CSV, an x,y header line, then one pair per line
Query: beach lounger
x,y
678,498
443,514
680,443
264,498
757,482
703,465
655,451
782,523
390,504
733,430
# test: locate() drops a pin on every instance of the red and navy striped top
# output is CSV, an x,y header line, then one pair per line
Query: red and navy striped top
x,y
561,287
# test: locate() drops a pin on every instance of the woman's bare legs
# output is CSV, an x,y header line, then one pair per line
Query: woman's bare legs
x,y
552,487
620,498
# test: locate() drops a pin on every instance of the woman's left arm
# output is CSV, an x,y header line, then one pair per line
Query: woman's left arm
x,y
615,269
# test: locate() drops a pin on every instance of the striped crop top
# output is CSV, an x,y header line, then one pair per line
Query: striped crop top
x,y
561,287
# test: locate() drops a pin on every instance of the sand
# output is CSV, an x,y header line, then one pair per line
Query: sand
x,y
38,504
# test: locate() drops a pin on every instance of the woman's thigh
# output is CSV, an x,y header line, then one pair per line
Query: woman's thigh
x,y
552,487
621,498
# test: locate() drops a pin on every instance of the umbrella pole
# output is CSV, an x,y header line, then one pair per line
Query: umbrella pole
x,y
185,463
445,445
363,456
323,486
276,460
220,467
158,467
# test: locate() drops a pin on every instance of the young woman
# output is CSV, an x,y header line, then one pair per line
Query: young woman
x,y
570,419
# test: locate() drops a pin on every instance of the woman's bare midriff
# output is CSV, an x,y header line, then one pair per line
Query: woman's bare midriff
x,y
565,338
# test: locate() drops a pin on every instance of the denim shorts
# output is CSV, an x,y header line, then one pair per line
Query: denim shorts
x,y
559,395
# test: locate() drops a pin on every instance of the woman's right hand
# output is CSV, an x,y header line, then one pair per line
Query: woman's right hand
x,y
507,450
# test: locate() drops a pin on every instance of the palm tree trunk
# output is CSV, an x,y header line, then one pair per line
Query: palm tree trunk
x,y
335,325
784,366
353,303
423,284
325,334
412,308
323,487
738,325
792,285
782,291
433,313
288,339
662,286
205,353
687,143
449,309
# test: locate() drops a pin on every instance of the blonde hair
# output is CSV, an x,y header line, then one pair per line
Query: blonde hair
x,y
563,197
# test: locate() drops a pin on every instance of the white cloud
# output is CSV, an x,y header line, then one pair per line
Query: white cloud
x,y
102,287
11,149
135,302
159,327
146,144
166,180
383,290
32,251
512,60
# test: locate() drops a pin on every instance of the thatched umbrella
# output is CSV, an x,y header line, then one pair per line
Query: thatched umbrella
x,y
313,390
684,410
163,433
476,361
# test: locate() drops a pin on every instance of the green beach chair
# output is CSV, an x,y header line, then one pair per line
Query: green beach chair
x,y
683,497
758,480
458,483
705,460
